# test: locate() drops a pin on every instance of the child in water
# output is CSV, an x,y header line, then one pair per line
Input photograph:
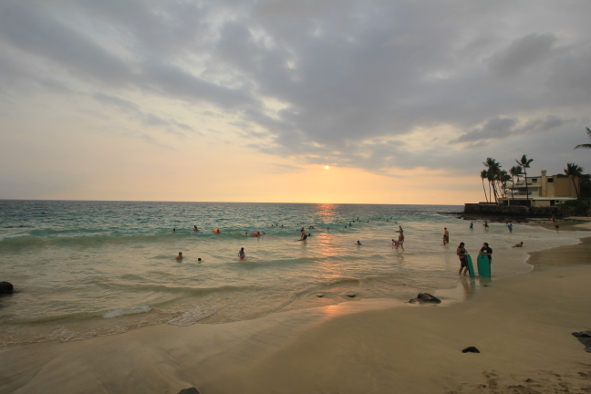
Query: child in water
x,y
241,254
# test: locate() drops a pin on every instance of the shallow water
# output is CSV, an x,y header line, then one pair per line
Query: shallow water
x,y
84,268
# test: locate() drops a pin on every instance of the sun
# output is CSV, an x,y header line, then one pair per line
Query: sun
x,y
326,167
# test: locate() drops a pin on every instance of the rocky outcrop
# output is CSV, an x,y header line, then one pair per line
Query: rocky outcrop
x,y
520,211
6,288
423,298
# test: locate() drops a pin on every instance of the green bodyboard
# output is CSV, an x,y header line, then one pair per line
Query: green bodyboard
x,y
483,266
470,265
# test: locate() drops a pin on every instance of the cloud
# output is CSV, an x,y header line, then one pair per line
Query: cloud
x,y
522,54
375,85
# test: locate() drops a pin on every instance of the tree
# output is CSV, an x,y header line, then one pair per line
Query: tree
x,y
515,172
524,163
503,178
493,172
574,171
483,176
586,146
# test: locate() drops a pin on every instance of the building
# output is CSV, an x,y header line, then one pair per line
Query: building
x,y
544,191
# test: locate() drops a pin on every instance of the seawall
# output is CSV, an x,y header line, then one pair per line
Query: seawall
x,y
483,209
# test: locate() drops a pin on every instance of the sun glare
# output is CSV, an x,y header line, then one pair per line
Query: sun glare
x,y
326,167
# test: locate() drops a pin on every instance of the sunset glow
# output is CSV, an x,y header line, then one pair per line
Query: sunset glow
x,y
205,101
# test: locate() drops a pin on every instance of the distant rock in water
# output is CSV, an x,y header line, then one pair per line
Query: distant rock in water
x,y
6,288
191,390
471,349
425,298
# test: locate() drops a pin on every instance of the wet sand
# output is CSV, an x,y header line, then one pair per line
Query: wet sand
x,y
522,326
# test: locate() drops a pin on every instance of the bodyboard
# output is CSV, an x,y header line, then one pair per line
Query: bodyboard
x,y
483,266
470,265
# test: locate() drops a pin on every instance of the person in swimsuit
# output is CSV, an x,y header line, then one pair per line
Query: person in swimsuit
x,y
445,236
241,254
400,242
461,252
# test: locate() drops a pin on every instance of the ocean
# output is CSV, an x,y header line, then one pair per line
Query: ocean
x,y
89,268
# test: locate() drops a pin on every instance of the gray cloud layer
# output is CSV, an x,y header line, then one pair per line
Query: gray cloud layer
x,y
356,79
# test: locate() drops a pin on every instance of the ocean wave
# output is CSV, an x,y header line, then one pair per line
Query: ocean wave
x,y
133,310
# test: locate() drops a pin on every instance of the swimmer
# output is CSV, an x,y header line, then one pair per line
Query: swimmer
x,y
241,254
304,236
358,243
195,228
519,245
174,230
199,260
180,256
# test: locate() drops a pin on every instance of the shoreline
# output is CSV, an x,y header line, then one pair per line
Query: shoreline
x,y
521,324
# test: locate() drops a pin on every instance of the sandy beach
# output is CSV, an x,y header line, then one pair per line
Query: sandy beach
x,y
521,325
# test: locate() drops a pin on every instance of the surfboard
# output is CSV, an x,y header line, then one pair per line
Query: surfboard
x,y
470,265
483,266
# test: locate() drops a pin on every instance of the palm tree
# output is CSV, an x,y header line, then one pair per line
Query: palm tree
x,y
503,178
515,172
524,163
483,176
493,170
587,146
574,171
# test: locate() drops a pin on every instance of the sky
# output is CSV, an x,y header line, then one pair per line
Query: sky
x,y
311,101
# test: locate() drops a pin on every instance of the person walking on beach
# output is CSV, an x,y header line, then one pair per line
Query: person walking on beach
x,y
487,251
445,236
241,254
461,252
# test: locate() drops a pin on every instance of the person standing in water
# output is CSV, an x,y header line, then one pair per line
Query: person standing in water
x,y
461,252
487,251
241,254
445,236
400,242
180,256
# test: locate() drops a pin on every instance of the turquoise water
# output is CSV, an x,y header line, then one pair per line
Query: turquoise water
x,y
85,268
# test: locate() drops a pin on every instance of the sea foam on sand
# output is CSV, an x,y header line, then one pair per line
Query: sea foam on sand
x,y
522,326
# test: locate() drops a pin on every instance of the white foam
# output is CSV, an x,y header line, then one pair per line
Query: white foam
x,y
133,310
